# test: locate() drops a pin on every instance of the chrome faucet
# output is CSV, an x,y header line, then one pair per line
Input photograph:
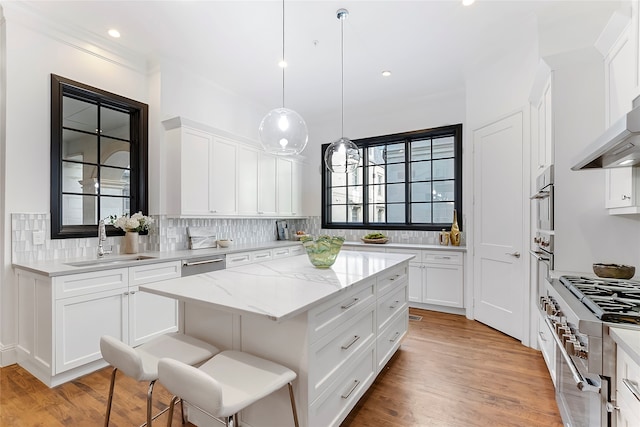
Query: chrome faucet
x,y
102,236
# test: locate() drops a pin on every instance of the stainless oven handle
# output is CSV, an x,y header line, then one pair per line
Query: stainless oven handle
x,y
540,256
541,195
208,261
633,388
581,383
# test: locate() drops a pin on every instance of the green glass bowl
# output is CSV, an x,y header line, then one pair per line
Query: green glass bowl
x,y
323,250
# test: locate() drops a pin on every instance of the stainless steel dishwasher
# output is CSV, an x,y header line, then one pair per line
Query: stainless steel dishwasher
x,y
203,264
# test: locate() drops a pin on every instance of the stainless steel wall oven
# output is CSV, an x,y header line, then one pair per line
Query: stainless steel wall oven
x,y
544,200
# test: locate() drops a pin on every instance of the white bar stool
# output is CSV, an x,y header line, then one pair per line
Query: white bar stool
x,y
225,384
141,363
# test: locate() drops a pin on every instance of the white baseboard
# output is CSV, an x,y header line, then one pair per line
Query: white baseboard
x,y
8,355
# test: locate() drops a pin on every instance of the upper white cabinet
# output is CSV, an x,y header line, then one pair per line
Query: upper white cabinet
x,y
619,45
211,175
540,101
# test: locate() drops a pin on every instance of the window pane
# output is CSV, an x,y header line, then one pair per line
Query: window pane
x,y
420,171
114,123
395,213
376,155
79,210
443,213
395,193
377,213
78,178
79,146
377,175
355,178
443,169
421,212
395,173
114,206
338,195
443,191
338,179
339,213
421,192
355,195
114,182
80,115
377,194
443,147
115,153
421,150
355,213
395,153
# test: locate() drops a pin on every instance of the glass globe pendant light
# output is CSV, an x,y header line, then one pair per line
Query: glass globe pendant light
x,y
283,131
342,156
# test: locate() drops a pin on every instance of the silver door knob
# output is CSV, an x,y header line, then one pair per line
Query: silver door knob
x,y
515,254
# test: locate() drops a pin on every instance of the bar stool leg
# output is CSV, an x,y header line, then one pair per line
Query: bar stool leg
x,y
171,405
293,405
110,399
149,403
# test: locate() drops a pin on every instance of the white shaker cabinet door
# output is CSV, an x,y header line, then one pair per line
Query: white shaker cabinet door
x,y
247,181
285,189
267,185
444,285
194,172
223,184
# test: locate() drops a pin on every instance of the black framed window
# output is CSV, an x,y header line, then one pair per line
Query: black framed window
x,y
410,180
99,151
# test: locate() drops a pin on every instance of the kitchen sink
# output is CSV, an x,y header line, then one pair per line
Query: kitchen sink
x,y
109,261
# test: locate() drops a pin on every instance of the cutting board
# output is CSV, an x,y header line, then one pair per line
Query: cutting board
x,y
202,237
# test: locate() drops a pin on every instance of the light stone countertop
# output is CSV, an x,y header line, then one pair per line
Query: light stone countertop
x,y
61,267
278,289
628,339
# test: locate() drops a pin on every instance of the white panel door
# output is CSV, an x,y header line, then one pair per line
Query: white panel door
x,y
499,282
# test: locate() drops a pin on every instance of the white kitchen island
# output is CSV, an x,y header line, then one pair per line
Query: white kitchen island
x,y
336,328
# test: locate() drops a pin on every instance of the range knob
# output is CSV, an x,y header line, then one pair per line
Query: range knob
x,y
571,346
551,309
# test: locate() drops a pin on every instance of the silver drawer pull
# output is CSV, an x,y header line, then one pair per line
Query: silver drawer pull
x,y
208,261
442,257
262,255
633,388
353,341
394,277
394,305
351,304
395,337
356,383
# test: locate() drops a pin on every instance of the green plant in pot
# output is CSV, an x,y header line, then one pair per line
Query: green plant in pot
x,y
323,250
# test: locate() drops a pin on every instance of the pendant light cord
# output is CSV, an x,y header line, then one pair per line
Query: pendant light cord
x,y
283,60
342,18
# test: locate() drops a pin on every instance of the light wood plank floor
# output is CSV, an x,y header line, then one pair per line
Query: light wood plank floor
x,y
449,372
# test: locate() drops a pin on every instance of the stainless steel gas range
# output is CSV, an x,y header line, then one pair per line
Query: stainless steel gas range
x,y
578,311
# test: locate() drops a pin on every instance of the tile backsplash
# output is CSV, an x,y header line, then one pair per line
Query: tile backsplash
x,y
170,234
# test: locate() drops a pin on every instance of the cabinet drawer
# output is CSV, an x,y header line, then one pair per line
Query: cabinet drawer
x,y
239,258
336,311
264,255
150,273
329,355
391,279
280,252
627,370
391,305
297,250
86,283
333,405
389,339
442,257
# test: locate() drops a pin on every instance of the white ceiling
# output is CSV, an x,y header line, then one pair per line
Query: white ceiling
x,y
428,45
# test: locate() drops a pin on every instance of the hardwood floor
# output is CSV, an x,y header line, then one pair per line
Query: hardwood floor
x,y
450,372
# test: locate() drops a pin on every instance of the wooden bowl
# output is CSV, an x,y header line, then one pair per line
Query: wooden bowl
x,y
378,241
614,271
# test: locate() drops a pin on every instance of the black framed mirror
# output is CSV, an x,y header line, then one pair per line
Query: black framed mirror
x,y
99,158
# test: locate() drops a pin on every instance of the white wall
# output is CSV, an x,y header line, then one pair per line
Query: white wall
x,y
424,113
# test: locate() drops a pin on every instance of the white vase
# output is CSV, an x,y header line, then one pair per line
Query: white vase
x,y
131,242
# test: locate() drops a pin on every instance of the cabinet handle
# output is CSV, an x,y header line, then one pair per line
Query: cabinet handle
x,y
260,212
395,337
262,256
542,336
625,197
633,388
442,257
351,304
394,305
394,277
356,383
126,293
213,211
132,292
353,341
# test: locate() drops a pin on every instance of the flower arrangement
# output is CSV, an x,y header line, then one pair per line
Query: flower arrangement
x,y
136,222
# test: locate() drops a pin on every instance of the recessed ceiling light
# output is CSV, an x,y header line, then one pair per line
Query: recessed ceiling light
x,y
114,33
386,73
282,64
468,2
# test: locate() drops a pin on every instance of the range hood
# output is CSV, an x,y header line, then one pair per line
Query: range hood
x,y
618,146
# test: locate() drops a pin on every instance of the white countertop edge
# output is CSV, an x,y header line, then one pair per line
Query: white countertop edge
x,y
628,339
407,246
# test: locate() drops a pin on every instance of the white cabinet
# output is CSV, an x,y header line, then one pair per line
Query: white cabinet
x,y
627,390
547,346
619,45
541,107
248,257
62,318
212,174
